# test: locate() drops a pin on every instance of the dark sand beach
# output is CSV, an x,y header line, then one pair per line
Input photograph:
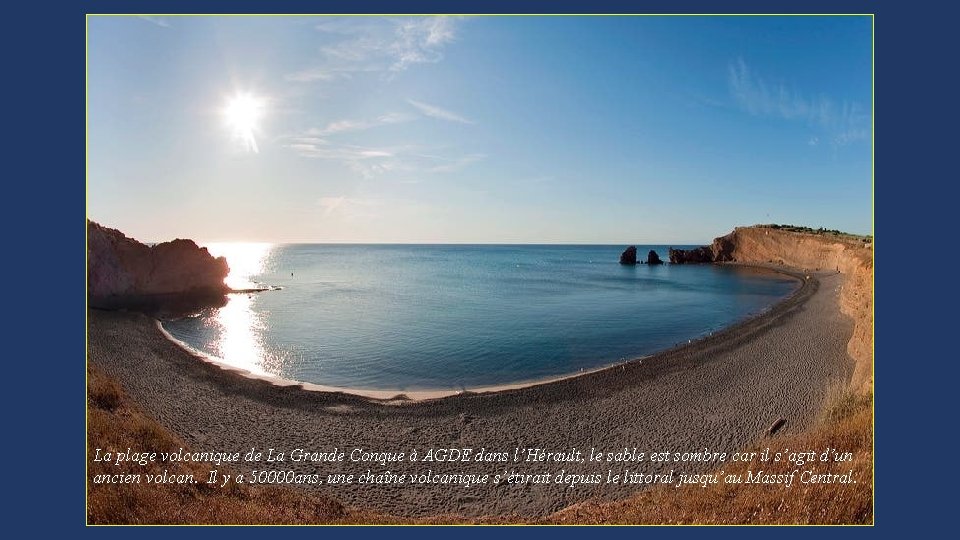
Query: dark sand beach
x,y
721,393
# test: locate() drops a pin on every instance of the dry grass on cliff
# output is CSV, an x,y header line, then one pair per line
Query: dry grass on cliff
x,y
115,423
848,426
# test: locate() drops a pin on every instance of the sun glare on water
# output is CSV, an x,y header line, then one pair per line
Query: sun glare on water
x,y
246,260
242,113
240,326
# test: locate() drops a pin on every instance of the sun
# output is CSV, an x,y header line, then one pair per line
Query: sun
x,y
242,113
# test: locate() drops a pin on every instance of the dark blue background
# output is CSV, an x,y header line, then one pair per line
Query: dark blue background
x,y
915,143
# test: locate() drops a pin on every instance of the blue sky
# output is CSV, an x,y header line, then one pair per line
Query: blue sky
x,y
481,129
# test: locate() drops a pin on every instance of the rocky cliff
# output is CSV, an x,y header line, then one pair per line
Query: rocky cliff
x,y
849,255
124,272
690,256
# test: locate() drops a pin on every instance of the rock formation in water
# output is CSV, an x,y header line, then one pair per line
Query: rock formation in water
x,y
122,272
702,254
653,258
629,255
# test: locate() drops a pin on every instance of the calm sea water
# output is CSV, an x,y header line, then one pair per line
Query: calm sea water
x,y
451,317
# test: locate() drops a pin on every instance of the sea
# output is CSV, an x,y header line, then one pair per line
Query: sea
x,y
460,317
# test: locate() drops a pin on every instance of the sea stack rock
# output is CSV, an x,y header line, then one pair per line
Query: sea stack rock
x,y
122,272
629,255
653,258
702,254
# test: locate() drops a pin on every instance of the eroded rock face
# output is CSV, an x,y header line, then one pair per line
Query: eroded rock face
x,y
723,248
629,255
122,271
653,258
702,254
850,257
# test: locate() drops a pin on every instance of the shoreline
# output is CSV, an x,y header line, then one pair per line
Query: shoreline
x,y
387,396
722,392
401,396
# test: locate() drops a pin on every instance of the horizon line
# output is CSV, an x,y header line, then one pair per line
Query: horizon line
x,y
336,243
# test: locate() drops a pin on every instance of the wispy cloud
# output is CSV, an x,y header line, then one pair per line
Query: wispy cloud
x,y
420,41
313,147
372,161
387,46
159,21
330,73
316,74
366,161
841,123
436,112
341,126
